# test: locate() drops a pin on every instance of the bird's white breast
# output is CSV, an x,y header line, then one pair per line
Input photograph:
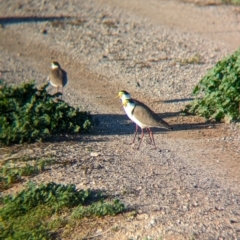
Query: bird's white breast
x,y
55,85
128,109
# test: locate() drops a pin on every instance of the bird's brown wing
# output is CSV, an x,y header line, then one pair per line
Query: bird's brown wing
x,y
141,103
56,76
148,117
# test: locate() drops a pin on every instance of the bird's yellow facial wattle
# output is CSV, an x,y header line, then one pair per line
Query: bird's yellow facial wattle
x,y
119,95
125,102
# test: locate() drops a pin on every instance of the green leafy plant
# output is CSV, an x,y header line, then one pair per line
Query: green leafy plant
x,y
10,178
38,212
218,93
12,171
54,195
29,114
195,59
231,1
99,209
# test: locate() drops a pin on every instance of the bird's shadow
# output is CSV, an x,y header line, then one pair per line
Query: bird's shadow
x,y
120,124
30,19
178,100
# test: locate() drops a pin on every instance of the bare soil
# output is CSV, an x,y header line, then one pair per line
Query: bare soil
x,y
186,189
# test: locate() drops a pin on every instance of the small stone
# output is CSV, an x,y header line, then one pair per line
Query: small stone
x,y
153,222
44,31
99,230
94,154
142,216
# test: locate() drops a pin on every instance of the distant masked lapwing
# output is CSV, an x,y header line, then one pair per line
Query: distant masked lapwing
x,y
58,77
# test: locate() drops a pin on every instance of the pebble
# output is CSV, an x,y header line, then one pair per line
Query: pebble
x,y
94,154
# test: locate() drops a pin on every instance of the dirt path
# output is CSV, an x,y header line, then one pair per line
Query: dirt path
x,y
218,22
188,188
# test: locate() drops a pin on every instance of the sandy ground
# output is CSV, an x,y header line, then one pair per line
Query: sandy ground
x,y
188,187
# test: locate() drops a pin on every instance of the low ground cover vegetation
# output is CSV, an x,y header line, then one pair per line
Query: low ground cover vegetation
x,y
39,212
217,94
30,114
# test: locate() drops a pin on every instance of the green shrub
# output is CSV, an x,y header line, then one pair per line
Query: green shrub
x,y
231,1
28,114
12,171
218,93
39,212
54,195
99,209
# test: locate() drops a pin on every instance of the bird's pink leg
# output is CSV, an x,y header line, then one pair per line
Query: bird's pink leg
x,y
136,131
151,134
141,139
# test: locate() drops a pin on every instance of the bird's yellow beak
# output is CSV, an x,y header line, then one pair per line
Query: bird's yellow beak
x,y
119,95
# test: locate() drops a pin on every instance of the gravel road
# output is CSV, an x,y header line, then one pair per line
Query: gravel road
x,y
158,51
